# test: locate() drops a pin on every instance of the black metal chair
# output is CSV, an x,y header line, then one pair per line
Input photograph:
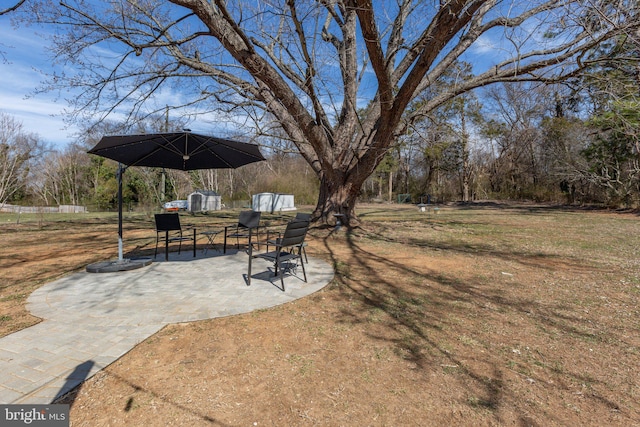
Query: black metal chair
x,y
300,216
169,225
247,222
288,251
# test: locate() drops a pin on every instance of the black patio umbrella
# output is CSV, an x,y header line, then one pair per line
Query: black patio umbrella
x,y
177,150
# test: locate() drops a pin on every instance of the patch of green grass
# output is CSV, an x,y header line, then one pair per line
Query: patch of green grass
x,y
467,340
376,315
450,369
342,269
480,403
303,363
558,367
366,375
14,297
381,353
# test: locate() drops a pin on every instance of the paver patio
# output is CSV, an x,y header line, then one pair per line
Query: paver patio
x,y
90,320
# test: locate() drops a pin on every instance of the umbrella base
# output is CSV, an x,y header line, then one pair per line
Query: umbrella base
x,y
117,265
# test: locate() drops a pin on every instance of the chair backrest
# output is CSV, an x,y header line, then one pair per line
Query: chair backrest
x,y
249,219
303,216
167,222
295,233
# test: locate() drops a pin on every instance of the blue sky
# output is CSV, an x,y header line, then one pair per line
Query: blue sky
x,y
24,54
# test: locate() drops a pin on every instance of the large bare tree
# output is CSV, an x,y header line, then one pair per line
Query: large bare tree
x,y
337,75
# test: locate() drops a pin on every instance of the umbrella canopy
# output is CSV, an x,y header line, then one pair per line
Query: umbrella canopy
x,y
178,150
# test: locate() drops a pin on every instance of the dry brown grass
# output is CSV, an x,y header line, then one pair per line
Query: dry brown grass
x,y
479,315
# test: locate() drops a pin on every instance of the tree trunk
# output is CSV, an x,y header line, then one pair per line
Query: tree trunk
x,y
337,201
466,177
465,155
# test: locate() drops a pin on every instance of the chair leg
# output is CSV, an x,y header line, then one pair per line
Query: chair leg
x,y
166,245
301,251
282,270
249,270
303,270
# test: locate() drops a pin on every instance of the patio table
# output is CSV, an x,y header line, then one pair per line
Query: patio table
x,y
211,236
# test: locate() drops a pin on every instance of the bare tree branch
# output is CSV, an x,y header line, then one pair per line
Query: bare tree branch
x,y
11,8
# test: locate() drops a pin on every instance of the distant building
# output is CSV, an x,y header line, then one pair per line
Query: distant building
x,y
204,200
272,202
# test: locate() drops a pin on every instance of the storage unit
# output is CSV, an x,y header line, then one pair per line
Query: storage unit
x,y
204,200
272,202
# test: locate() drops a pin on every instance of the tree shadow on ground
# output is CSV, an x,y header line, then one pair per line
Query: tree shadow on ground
x,y
419,307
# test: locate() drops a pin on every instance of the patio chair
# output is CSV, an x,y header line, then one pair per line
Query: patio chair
x,y
299,217
247,222
169,225
303,216
288,251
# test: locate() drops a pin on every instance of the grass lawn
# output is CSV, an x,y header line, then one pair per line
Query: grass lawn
x,y
480,314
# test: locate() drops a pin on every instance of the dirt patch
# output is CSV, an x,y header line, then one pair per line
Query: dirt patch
x,y
485,316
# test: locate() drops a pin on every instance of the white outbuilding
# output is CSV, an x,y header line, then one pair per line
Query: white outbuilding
x,y
272,202
204,200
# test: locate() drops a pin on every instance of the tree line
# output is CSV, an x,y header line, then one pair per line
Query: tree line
x,y
575,143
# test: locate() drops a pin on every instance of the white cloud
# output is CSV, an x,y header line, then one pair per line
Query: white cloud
x,y
24,54
483,45
38,114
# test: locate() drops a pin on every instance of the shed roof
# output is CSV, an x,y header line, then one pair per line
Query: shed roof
x,y
205,192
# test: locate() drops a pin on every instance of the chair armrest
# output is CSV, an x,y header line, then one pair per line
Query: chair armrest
x,y
270,240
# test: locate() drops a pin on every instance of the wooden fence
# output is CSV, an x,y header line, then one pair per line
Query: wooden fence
x,y
43,209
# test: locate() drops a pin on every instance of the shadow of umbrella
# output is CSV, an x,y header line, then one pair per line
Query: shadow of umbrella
x,y
178,150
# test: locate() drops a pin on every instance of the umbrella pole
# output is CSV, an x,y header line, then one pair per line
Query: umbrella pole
x,y
121,264
120,172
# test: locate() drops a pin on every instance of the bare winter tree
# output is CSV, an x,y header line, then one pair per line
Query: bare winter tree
x,y
337,75
17,148
59,176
